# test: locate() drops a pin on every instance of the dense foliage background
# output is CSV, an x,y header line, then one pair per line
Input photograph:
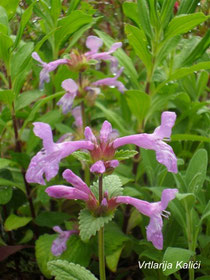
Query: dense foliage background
x,y
165,60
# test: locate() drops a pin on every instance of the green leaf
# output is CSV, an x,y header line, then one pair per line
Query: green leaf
x,y
139,42
166,12
189,137
123,58
5,194
7,96
63,270
139,103
183,23
26,98
198,50
144,16
201,84
113,259
196,171
5,182
75,20
82,156
55,9
24,20
43,252
5,45
51,219
4,21
10,6
131,11
125,154
89,225
73,5
187,6
111,183
186,198
20,59
166,47
15,222
206,212
5,162
27,237
174,255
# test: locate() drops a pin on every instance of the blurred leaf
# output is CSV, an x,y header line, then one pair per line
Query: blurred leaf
x,y
176,255
197,167
63,270
187,198
24,20
10,6
75,20
27,237
187,6
125,154
183,23
15,222
7,96
5,45
189,137
5,194
73,5
5,182
26,98
206,212
139,103
202,83
82,156
144,16
165,48
51,219
5,162
43,252
89,225
55,9
4,20
138,41
131,11
166,12
113,259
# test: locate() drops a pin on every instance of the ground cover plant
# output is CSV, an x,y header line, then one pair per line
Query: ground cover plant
x,y
104,131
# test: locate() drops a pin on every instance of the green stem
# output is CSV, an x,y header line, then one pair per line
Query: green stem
x,y
101,254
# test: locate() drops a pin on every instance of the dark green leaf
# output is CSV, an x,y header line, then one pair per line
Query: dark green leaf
x,y
51,219
5,194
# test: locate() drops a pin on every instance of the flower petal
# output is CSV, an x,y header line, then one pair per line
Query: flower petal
x,y
113,163
167,122
43,131
154,231
37,58
70,86
167,196
93,43
66,102
77,114
105,131
89,135
61,191
75,181
98,167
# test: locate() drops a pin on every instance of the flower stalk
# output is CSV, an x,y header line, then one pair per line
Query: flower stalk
x,y
101,254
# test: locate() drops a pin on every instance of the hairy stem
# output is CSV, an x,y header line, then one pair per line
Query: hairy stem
x,y
101,254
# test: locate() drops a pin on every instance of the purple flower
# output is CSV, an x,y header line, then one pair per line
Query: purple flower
x,y
112,82
153,210
67,100
154,141
77,114
47,68
94,43
47,160
59,244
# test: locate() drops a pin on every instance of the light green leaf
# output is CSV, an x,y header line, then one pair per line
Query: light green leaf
x,y
183,23
89,224
166,12
10,6
111,184
197,167
27,237
144,16
24,20
7,96
43,252
55,9
125,154
15,222
174,255
139,42
63,270
139,103
5,162
26,98
189,137
187,6
186,198
4,21
5,194
5,45
73,5
123,58
131,11
82,156
113,259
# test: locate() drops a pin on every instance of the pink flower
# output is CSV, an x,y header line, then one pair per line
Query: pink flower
x,y
59,244
94,43
153,210
47,68
47,160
